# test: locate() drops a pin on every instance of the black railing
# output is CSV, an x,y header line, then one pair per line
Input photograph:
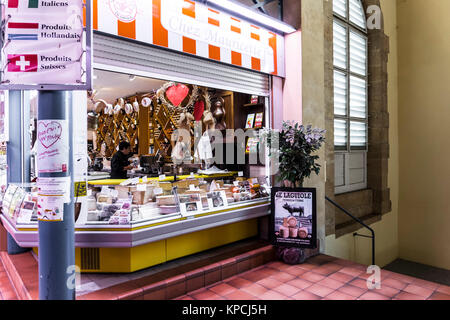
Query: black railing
x,y
360,222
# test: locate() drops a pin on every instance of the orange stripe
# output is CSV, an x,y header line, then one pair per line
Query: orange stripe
x,y
189,8
126,29
256,64
160,34
273,44
214,52
214,22
213,11
235,29
189,45
255,36
236,58
95,14
84,14
235,19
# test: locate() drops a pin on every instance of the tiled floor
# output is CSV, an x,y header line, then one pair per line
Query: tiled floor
x,y
6,289
321,277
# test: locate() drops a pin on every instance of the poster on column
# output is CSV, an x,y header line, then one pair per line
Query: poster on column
x,y
53,146
294,217
46,45
52,194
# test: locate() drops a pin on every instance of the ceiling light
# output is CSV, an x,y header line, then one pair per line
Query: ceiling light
x,y
246,12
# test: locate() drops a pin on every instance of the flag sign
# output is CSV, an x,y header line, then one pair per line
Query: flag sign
x,y
45,45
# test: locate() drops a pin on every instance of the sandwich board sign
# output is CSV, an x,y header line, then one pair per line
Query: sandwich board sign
x,y
46,45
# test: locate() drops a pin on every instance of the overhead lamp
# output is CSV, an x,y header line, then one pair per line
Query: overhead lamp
x,y
245,12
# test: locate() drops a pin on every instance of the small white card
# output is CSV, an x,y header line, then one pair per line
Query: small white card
x,y
141,187
162,177
217,200
157,191
144,179
240,173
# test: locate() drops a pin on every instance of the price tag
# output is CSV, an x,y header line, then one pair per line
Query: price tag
x,y
162,177
135,180
240,173
89,192
105,190
157,191
145,179
192,175
255,180
114,193
192,187
141,187
236,183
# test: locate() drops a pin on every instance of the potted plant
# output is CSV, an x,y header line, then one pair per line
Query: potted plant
x,y
294,147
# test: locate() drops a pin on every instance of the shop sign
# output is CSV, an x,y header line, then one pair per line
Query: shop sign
x,y
45,45
53,193
194,28
53,146
293,219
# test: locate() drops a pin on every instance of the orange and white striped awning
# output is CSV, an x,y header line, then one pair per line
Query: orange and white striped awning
x,y
191,27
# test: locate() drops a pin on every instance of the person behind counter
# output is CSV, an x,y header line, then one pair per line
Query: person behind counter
x,y
120,163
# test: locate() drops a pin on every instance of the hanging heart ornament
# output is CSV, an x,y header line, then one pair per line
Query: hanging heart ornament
x,y
177,93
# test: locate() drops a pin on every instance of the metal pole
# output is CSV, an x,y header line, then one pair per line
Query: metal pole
x,y
57,239
18,150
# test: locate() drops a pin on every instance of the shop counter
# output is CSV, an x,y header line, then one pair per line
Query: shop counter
x,y
128,248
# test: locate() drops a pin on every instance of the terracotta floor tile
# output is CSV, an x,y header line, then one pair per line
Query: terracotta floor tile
x,y
402,277
300,283
387,291
240,295
333,266
272,295
238,282
439,296
408,296
351,271
331,283
394,283
359,283
255,289
222,289
306,295
324,271
296,271
444,289
277,265
420,291
337,295
206,295
426,284
270,283
312,277
319,290
370,295
307,266
342,277
287,289
283,276
255,276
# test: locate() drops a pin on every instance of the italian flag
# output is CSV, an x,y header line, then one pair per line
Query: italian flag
x,y
15,3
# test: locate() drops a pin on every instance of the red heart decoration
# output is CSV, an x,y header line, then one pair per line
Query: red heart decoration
x,y
199,108
177,93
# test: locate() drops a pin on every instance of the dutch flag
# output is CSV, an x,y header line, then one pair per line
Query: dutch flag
x,y
29,3
22,31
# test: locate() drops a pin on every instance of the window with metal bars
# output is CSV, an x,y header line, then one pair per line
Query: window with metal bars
x,y
350,95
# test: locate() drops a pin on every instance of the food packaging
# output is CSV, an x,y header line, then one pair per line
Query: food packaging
x,y
165,200
284,232
303,233
293,232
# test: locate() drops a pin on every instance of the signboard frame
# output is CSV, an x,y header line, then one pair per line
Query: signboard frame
x,y
294,242
66,87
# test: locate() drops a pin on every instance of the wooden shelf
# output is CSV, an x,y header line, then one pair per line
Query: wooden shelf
x,y
253,105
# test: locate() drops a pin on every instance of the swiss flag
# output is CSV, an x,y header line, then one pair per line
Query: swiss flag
x,y
22,63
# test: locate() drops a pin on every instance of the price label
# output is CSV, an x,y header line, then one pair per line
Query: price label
x,y
145,179
192,175
162,177
157,191
236,183
192,187
141,187
240,173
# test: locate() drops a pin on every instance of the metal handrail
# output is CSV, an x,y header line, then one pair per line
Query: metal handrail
x,y
360,222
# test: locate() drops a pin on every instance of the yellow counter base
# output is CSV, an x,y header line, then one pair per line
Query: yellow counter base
x,y
126,260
